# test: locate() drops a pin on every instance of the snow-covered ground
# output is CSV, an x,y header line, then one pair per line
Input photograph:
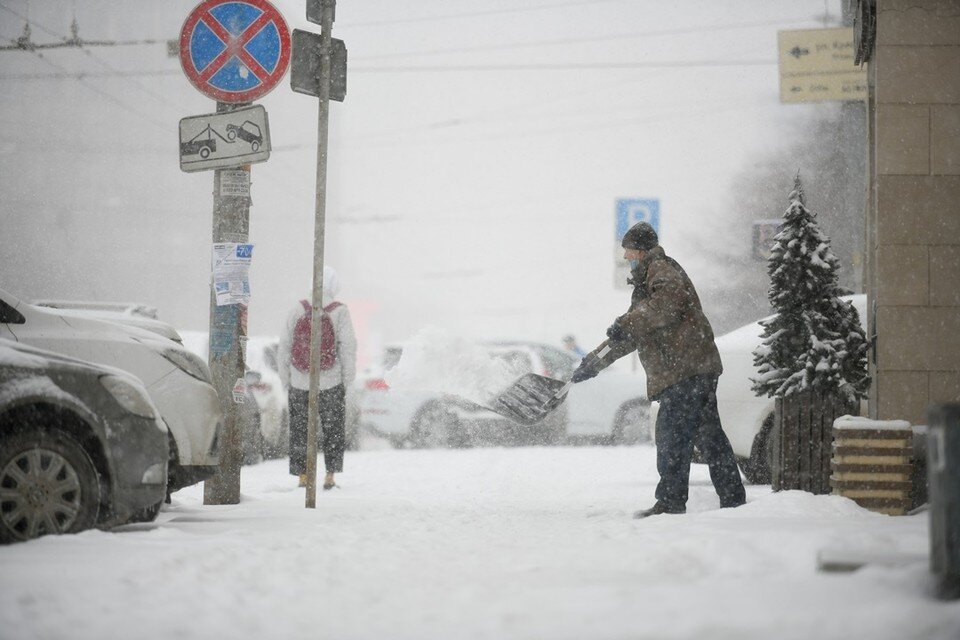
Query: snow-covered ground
x,y
481,543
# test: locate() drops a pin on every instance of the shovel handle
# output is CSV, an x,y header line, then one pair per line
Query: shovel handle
x,y
600,354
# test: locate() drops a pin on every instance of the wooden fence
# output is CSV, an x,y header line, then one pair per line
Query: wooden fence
x,y
802,439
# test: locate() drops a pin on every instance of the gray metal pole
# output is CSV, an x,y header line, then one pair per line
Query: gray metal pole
x,y
326,27
231,223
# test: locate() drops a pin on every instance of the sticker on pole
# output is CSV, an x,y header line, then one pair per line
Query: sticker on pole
x,y
239,391
234,50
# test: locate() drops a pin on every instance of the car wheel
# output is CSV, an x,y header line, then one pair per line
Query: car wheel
x,y
632,424
255,146
435,426
757,469
231,134
205,153
48,484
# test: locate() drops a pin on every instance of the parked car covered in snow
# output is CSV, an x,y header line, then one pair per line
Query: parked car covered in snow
x,y
609,408
263,383
748,419
81,445
127,313
178,382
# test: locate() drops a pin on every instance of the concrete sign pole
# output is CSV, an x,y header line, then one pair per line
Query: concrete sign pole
x,y
233,52
231,223
323,119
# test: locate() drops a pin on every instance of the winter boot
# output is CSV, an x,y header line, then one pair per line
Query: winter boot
x,y
657,509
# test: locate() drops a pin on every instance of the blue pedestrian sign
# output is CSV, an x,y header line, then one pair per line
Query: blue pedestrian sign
x,y
630,211
234,50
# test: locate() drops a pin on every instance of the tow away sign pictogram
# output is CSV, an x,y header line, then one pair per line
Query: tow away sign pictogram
x,y
234,50
227,139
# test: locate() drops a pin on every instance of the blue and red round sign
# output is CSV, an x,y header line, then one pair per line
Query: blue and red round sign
x,y
235,50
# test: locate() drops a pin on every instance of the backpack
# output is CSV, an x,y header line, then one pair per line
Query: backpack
x,y
300,350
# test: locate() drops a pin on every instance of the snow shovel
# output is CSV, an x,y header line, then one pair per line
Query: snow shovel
x,y
528,400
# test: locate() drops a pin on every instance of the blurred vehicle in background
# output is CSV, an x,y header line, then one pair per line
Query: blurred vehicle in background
x,y
81,445
263,383
178,381
128,313
748,419
611,408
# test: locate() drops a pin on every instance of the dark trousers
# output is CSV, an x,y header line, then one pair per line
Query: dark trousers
x,y
330,430
688,414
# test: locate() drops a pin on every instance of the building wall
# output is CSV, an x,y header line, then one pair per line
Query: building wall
x,y
913,226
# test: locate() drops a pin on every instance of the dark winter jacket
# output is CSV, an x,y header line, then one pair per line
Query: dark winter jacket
x,y
666,326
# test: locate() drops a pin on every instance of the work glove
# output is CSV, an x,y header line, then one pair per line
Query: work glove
x,y
583,372
617,333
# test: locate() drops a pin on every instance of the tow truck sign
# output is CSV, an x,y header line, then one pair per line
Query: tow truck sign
x,y
227,139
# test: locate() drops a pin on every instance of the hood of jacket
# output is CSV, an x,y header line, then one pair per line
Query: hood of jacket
x,y
331,285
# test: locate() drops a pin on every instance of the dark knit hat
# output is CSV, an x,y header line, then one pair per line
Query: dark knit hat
x,y
640,236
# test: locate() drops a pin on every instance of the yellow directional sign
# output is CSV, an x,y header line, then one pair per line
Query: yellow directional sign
x,y
816,65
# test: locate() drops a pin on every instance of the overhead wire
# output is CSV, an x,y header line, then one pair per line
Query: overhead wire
x,y
81,77
64,41
82,81
474,14
569,66
580,40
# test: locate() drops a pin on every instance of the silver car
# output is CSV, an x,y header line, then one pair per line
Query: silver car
x,y
81,445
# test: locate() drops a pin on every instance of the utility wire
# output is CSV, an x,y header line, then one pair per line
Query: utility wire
x,y
75,40
561,66
24,43
474,14
567,66
586,39
113,99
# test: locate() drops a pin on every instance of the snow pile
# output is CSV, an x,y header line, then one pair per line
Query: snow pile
x,y
436,361
857,422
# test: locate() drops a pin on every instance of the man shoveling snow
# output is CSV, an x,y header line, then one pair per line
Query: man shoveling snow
x,y
674,339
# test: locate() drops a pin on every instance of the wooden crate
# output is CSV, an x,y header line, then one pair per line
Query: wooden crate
x,y
872,464
802,436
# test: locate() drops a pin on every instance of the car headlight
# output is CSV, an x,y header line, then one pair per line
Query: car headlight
x,y
128,396
189,363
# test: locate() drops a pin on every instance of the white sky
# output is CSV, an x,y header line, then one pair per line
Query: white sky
x,y
476,198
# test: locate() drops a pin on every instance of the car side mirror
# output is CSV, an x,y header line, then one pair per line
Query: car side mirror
x,y
9,315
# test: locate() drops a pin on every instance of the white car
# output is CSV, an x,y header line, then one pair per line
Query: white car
x,y
748,419
610,408
178,382
130,314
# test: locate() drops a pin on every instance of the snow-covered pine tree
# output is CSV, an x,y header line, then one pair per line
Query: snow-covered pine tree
x,y
814,340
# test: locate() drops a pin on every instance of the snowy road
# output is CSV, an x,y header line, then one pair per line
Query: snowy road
x,y
482,543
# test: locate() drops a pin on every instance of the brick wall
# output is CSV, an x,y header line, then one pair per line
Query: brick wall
x,y
913,227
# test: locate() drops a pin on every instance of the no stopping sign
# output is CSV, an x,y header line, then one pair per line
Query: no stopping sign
x,y
234,50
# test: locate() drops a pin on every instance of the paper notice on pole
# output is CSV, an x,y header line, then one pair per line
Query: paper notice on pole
x,y
231,272
235,182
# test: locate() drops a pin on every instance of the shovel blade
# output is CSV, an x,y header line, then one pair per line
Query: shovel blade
x,y
530,399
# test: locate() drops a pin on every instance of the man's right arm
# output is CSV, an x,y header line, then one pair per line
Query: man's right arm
x,y
592,364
